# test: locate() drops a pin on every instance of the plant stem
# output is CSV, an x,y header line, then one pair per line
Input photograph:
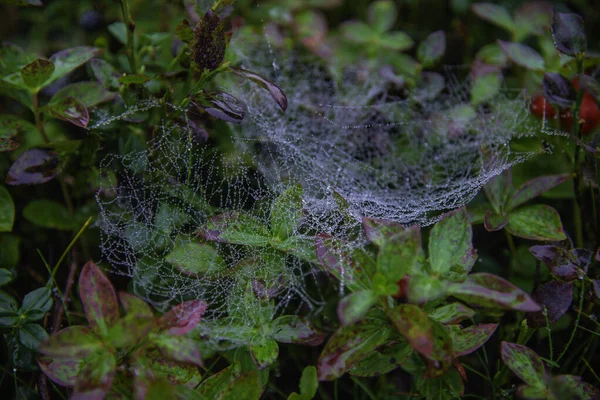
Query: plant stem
x,y
70,246
130,24
39,123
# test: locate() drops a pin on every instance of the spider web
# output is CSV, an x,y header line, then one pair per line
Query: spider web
x,y
355,143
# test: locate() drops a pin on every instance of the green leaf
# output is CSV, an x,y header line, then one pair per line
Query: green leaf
x,y
67,60
151,365
300,246
496,14
494,222
7,210
48,214
446,387
452,313
214,386
247,386
133,305
88,93
264,353
183,318
524,363
69,109
492,54
537,222
63,371
105,73
5,276
348,345
195,258
570,386
74,342
12,126
485,87
357,32
432,49
9,316
24,2
297,330
207,48
488,290
352,307
451,252
129,330
134,79
9,250
95,376
467,340
378,231
534,188
98,297
498,189
31,335
309,382
178,348
523,55
336,258
119,31
400,254
36,73
382,15
184,31
568,33
424,287
415,326
236,228
286,212
383,360
398,41
36,303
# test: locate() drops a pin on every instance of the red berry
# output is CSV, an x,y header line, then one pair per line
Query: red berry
x,y
540,108
589,113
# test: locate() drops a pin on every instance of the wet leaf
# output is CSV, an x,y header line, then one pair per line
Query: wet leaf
x,y
383,360
195,258
105,73
523,55
378,231
183,318
286,212
524,363
498,189
7,210
452,313
534,188
348,345
451,252
98,297
48,214
496,14
33,167
488,290
236,228
556,297
63,371
88,93
221,105
133,305
95,376
336,259
208,45
67,60
74,342
432,49
400,254
129,330
69,109
537,222
485,87
36,73
568,33
494,222
297,330
467,340
382,15
178,348
352,307
275,91
561,262
264,353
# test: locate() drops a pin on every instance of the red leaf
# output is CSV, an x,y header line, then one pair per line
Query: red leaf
x,y
62,371
98,297
183,317
556,297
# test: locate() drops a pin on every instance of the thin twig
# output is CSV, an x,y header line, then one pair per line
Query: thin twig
x,y
61,307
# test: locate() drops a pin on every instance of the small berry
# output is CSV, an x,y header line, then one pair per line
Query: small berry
x,y
540,107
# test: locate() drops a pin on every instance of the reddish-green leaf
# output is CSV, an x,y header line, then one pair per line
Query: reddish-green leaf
x,y
494,222
467,340
349,345
451,252
246,386
36,73
74,342
570,386
33,167
452,313
150,364
183,318
215,385
383,360
523,55
275,91
294,329
561,262
488,290
178,348
415,326
95,377
424,287
129,330
133,305
67,60
352,307
335,258
88,93
12,126
98,297
105,73
69,109
61,370
221,105
378,231
264,353
207,47
556,297
524,363
537,222
568,33
534,188
448,386
400,254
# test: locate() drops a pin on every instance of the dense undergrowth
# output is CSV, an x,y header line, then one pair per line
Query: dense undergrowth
x,y
299,199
